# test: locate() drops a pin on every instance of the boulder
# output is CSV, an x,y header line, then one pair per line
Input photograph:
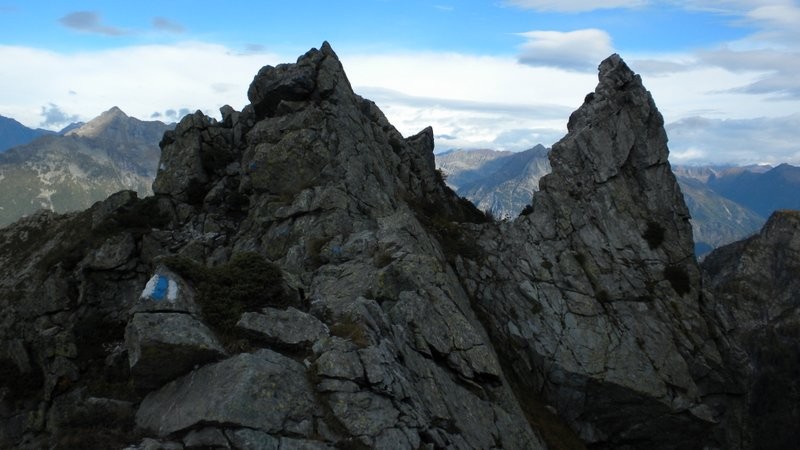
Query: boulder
x,y
262,390
290,327
162,346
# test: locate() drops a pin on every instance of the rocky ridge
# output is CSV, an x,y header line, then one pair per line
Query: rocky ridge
x,y
303,278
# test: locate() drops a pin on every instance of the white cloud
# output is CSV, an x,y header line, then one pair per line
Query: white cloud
x,y
770,140
476,100
53,116
572,50
573,6
471,101
138,79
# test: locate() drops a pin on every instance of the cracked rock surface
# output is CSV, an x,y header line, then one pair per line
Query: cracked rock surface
x,y
303,278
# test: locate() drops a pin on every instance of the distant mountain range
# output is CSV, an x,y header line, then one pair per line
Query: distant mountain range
x,y
499,182
88,162
726,203
13,133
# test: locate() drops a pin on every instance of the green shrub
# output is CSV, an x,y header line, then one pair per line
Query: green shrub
x,y
654,235
679,279
247,282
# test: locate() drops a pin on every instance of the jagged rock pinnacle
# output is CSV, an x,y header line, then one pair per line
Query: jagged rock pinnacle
x,y
427,324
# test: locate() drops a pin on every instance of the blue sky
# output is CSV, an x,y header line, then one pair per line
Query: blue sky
x,y
501,74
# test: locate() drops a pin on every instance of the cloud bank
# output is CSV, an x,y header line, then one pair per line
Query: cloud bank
x,y
578,50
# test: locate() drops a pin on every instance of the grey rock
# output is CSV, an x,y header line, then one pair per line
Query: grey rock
x,y
248,439
287,327
593,295
756,299
155,444
228,391
205,438
162,346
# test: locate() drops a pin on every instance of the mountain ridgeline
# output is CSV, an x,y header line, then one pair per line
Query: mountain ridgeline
x,y
13,133
725,203
71,171
303,278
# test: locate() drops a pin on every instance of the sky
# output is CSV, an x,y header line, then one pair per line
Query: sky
x,y
500,74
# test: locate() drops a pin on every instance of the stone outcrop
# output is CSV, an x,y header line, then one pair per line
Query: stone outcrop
x,y
756,286
320,287
593,296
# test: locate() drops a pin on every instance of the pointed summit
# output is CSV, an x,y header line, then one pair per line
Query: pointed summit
x,y
100,124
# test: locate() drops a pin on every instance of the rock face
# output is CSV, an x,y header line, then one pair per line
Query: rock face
x,y
594,295
757,299
320,287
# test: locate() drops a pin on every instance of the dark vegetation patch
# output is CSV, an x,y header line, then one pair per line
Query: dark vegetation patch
x,y
382,258
314,247
526,211
444,225
138,217
348,327
679,279
654,235
248,282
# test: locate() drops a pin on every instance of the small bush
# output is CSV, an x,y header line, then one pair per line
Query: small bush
x,y
247,282
314,248
382,258
347,327
654,235
679,279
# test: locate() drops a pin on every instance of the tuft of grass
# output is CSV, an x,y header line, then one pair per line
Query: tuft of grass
x,y
348,327
314,248
382,258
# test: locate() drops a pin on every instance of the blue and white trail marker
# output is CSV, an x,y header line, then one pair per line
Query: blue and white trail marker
x,y
160,287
